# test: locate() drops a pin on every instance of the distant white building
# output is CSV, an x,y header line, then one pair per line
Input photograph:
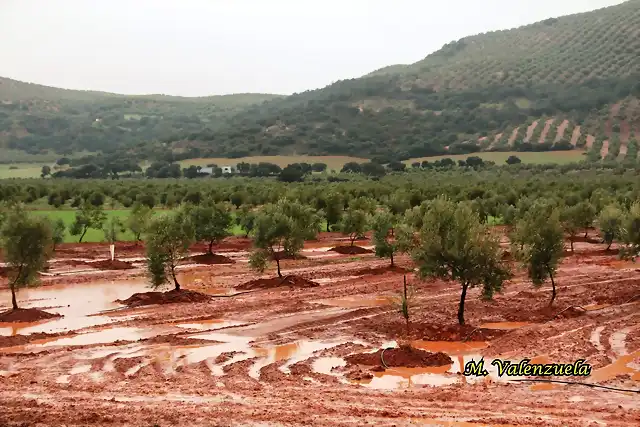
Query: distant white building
x,y
206,170
227,169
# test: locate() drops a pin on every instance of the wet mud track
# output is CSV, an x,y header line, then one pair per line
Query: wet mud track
x,y
281,356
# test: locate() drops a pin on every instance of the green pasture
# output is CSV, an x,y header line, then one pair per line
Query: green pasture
x,y
94,235
543,157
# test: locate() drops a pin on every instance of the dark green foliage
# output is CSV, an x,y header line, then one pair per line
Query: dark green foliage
x,y
280,230
89,216
211,222
539,244
610,223
167,241
26,244
455,246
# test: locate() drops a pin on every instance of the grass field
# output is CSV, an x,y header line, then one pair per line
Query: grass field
x,y
94,235
560,157
24,170
332,162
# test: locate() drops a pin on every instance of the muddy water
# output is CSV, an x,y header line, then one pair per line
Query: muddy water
x,y
504,325
450,347
75,302
358,301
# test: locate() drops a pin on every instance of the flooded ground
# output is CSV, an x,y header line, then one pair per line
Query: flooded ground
x,y
279,356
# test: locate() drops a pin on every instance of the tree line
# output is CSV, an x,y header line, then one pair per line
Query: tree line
x,y
446,239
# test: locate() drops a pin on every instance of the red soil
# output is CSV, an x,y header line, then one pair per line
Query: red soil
x,y
108,264
351,250
210,259
170,297
434,332
26,315
405,356
282,255
381,270
276,282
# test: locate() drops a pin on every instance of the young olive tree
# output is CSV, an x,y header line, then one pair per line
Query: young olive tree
x,y
89,216
353,224
111,229
540,246
138,220
571,222
382,223
333,209
455,246
211,222
609,223
630,232
246,219
58,229
585,214
280,230
26,243
168,238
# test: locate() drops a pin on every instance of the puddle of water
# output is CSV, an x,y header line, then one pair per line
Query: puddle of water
x,y
450,347
358,301
545,387
504,325
75,302
394,378
325,365
105,336
619,367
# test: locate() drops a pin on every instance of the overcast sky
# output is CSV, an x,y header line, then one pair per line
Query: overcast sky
x,y
209,47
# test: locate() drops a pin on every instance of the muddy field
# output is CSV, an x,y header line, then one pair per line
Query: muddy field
x,y
325,345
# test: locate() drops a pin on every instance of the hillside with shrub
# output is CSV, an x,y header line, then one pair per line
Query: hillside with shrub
x,y
554,85
564,83
36,118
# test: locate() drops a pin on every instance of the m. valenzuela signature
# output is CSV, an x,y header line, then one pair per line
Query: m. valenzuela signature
x,y
523,368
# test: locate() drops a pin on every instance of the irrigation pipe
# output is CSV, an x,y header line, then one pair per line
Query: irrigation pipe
x,y
382,357
584,384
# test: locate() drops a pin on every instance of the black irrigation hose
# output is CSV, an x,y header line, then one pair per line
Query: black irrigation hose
x,y
579,383
382,357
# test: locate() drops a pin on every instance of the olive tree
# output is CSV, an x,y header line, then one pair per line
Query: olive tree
x,y
539,246
138,219
246,218
26,243
609,222
353,224
455,246
630,232
280,230
89,216
585,214
58,229
382,223
211,222
571,222
167,241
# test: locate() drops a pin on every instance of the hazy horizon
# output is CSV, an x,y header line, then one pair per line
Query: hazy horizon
x,y
201,48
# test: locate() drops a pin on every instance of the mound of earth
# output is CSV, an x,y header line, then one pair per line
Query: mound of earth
x,y
107,264
381,270
276,282
170,297
404,356
211,259
26,315
351,250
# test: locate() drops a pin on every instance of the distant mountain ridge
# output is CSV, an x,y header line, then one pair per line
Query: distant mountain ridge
x,y
563,83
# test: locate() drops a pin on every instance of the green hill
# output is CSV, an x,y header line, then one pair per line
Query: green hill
x,y
552,85
35,118
564,83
